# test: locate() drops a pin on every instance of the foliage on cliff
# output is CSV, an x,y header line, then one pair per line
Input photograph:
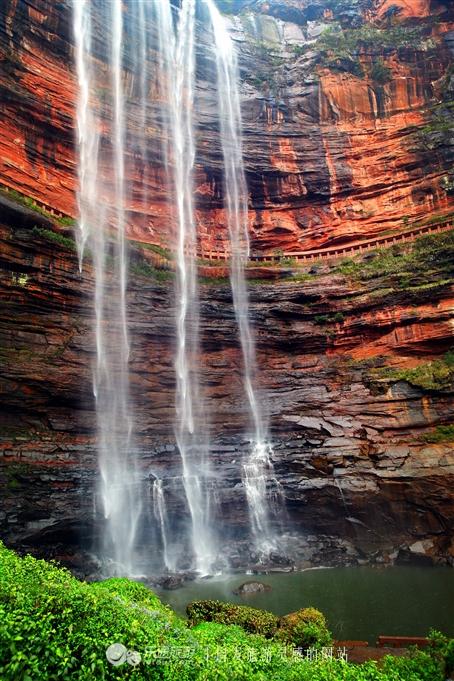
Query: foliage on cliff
x,y
54,627
341,49
435,375
407,266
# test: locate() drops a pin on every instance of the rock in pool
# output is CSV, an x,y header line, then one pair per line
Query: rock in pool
x,y
250,588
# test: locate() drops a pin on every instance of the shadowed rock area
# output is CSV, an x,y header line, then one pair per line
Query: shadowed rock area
x,y
363,479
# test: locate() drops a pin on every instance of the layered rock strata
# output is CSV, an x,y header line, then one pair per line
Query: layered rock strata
x,y
331,140
360,480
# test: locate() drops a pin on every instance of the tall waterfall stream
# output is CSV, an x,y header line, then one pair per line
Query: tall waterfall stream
x,y
104,132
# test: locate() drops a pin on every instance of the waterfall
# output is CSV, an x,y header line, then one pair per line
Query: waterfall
x,y
161,517
177,50
112,130
102,227
258,472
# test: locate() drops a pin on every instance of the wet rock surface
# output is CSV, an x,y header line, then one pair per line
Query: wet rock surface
x,y
251,588
359,483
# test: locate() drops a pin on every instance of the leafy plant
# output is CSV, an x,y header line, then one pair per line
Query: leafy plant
x,y
305,628
54,627
250,619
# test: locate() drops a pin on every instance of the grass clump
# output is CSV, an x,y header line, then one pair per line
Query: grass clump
x,y
440,434
165,253
143,269
55,237
435,375
431,254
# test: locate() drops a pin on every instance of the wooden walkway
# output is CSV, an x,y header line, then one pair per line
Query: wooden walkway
x,y
330,253
346,250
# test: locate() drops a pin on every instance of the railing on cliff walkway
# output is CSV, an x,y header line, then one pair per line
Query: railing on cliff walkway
x,y
330,252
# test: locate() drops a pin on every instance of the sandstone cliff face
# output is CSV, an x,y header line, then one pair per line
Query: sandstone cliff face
x,y
337,147
331,144
360,481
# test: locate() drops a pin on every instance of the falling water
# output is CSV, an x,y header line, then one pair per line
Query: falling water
x,y
258,473
178,61
102,229
161,517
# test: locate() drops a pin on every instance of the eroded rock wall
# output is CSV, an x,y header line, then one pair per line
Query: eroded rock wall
x,y
359,480
331,145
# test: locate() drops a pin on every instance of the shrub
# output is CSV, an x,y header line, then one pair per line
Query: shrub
x,y
305,628
54,627
321,319
442,649
252,620
380,73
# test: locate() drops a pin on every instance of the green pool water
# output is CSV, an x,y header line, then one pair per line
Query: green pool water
x,y
359,603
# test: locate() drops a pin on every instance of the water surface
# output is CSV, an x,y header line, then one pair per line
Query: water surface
x,y
359,603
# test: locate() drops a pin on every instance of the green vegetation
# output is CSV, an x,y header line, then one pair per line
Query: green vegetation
x,y
55,237
408,266
269,62
28,202
216,281
435,375
341,49
438,132
380,73
447,181
16,474
352,40
19,278
252,620
165,253
440,434
323,319
298,50
143,269
304,629
443,651
54,627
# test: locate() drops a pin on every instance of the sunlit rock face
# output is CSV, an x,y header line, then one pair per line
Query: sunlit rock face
x,y
360,482
331,155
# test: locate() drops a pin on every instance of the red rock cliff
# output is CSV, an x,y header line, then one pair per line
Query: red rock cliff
x,y
331,138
